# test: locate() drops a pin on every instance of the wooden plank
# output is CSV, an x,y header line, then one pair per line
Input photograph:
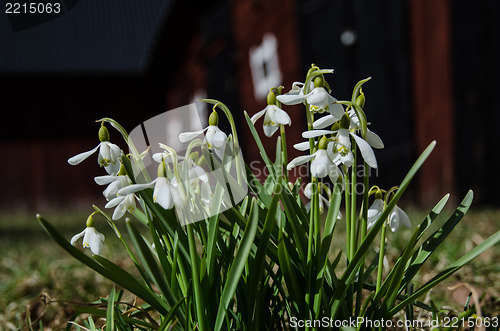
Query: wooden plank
x,y
433,116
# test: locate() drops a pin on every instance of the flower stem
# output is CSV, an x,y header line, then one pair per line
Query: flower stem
x,y
347,212
353,203
381,257
284,151
364,218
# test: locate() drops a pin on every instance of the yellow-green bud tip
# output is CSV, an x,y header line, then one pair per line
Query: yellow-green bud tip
x,y
345,122
90,221
360,99
161,170
271,98
378,194
122,171
319,81
194,156
323,143
103,133
213,119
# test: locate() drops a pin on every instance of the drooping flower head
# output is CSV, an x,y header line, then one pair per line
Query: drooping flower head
x,y
215,138
321,163
274,116
109,154
397,217
91,238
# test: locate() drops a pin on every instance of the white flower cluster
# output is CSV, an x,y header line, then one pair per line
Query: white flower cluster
x,y
171,187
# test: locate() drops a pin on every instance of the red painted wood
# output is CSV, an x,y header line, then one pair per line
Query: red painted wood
x,y
433,115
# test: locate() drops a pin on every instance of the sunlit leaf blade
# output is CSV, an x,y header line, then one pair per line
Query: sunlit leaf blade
x,y
363,248
238,264
492,240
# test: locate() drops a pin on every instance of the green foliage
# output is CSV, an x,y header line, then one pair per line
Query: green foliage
x,y
269,258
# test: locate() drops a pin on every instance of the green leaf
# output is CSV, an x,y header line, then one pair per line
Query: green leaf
x,y
238,265
262,150
432,243
258,263
108,269
351,269
149,263
110,315
492,240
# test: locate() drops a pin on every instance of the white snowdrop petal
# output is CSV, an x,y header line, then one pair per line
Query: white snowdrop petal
x,y
303,146
282,117
76,237
374,140
116,201
187,136
77,159
269,130
315,133
135,188
104,180
300,160
258,115
324,122
291,99
366,151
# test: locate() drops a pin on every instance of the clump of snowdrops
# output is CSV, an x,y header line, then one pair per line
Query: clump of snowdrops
x,y
215,248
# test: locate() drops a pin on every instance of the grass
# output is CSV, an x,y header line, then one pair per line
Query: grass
x,y
34,267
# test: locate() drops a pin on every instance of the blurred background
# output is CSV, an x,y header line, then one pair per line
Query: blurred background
x,y
434,68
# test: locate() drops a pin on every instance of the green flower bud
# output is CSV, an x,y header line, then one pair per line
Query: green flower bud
x,y
378,194
323,143
213,119
345,122
335,126
271,98
90,221
122,171
194,156
161,170
360,100
103,133
319,81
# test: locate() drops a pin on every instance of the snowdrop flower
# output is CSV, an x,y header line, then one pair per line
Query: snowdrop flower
x,y
397,216
321,163
214,138
374,212
91,238
318,99
116,182
109,154
274,116
354,125
164,193
340,150
123,203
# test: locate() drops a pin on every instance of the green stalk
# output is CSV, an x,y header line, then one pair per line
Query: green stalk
x,y
347,213
234,131
285,154
364,219
310,243
381,257
353,204
195,274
